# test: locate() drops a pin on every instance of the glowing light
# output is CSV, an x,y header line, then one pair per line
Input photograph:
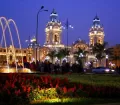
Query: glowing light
x,y
33,40
112,70
95,20
56,59
33,59
47,58
70,26
62,27
107,57
107,70
95,32
26,40
50,27
64,59
13,70
81,55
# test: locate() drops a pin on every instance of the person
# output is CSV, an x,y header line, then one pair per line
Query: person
x,y
117,69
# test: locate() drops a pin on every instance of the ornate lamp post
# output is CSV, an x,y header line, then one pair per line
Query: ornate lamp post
x,y
41,10
67,25
107,60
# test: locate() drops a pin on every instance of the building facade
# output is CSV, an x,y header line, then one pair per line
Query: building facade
x,y
11,55
114,56
53,32
53,41
96,32
96,35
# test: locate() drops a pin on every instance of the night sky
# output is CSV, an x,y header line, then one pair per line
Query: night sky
x,y
79,12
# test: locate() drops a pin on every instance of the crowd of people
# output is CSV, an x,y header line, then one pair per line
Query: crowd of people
x,y
117,69
64,67
49,67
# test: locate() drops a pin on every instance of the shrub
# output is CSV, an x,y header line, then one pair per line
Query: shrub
x,y
43,94
81,93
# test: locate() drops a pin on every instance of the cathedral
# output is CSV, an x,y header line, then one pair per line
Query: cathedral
x,y
96,35
53,40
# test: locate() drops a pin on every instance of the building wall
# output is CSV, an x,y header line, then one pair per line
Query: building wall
x,y
13,54
115,55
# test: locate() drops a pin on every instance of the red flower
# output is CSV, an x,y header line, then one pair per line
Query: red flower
x,y
46,80
56,86
28,89
13,86
24,88
17,92
64,89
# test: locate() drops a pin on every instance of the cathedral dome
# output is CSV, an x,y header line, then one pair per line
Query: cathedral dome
x,y
96,22
54,16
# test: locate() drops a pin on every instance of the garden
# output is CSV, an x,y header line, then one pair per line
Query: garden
x,y
36,89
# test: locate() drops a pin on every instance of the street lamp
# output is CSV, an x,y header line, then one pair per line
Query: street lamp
x,y
107,60
67,25
41,10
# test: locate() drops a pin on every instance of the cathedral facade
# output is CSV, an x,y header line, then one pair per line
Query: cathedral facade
x,y
53,32
96,32
53,40
96,35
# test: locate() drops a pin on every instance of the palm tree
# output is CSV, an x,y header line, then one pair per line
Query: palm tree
x,y
62,53
52,54
99,50
80,55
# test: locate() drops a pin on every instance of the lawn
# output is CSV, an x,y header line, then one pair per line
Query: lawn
x,y
39,89
75,101
94,79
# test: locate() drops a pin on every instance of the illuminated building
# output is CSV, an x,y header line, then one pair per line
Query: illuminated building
x,y
53,32
114,57
13,54
96,35
96,32
32,46
80,44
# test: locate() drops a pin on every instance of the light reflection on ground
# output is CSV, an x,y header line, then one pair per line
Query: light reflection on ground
x,y
14,70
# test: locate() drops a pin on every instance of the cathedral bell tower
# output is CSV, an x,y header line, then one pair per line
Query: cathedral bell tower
x,y
96,33
53,31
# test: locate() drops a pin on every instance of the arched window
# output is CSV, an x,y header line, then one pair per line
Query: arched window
x,y
56,38
10,57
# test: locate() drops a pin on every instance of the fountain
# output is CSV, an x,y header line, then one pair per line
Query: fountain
x,y
7,69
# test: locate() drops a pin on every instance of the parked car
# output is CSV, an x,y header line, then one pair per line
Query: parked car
x,y
102,70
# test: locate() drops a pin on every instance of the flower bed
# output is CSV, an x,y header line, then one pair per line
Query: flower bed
x,y
19,88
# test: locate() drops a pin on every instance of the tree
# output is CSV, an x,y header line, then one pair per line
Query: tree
x,y
80,55
62,53
52,54
99,50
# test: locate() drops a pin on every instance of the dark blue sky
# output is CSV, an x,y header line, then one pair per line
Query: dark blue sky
x,y
79,12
